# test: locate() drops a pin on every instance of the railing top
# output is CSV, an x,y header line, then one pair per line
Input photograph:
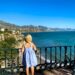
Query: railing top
x,y
37,47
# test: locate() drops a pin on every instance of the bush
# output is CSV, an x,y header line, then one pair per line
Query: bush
x,y
9,42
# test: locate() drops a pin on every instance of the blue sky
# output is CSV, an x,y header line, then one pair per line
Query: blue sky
x,y
50,13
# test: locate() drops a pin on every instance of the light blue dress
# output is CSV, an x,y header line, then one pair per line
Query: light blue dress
x,y
29,57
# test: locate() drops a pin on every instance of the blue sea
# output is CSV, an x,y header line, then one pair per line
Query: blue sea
x,y
60,38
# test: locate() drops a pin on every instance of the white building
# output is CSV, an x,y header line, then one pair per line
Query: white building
x,y
2,29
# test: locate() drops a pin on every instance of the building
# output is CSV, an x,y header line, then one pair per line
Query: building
x,y
2,29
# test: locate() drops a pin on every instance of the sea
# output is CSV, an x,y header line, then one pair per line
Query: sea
x,y
55,38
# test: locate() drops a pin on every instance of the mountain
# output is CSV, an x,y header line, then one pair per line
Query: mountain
x,y
6,25
30,28
24,28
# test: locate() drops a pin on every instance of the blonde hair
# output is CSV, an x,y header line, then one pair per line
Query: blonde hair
x,y
28,38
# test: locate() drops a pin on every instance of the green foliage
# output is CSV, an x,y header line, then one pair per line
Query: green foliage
x,y
6,46
5,32
8,42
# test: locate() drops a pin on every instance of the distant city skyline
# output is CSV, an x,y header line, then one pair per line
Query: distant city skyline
x,y
50,13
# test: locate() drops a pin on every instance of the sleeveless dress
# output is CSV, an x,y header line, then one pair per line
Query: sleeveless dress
x,y
29,57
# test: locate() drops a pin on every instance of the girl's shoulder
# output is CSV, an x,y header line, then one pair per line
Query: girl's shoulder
x,y
34,46
32,43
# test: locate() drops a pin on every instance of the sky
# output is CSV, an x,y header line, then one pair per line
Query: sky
x,y
50,13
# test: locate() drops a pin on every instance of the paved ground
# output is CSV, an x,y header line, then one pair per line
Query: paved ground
x,y
53,72
58,72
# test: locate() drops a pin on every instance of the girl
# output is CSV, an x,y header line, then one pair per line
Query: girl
x,y
29,57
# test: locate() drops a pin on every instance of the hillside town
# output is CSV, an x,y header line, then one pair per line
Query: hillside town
x,y
4,34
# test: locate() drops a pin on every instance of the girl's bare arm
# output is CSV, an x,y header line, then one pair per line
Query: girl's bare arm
x,y
34,47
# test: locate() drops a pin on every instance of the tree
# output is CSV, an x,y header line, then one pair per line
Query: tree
x,y
9,42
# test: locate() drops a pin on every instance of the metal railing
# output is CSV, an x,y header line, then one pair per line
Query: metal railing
x,y
9,61
48,58
56,57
